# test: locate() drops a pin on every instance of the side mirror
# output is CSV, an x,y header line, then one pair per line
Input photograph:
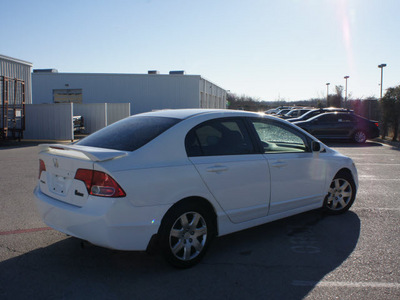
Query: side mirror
x,y
316,146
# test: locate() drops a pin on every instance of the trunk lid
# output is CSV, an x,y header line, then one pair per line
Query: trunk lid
x,y
62,162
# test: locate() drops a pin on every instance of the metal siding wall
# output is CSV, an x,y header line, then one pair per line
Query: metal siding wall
x,y
143,92
20,71
49,122
211,95
54,121
117,111
94,115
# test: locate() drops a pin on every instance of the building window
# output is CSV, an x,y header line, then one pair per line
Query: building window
x,y
67,96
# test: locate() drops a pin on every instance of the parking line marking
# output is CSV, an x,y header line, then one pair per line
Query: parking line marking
x,y
373,154
377,164
19,231
376,208
379,179
346,284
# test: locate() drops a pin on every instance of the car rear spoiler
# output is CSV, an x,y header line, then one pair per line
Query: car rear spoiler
x,y
90,153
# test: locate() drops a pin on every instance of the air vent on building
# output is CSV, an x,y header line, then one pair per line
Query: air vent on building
x,y
45,71
177,72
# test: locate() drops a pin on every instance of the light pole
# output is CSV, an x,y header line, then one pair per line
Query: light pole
x,y
327,94
345,98
381,66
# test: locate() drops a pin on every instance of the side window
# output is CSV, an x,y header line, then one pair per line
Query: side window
x,y
219,137
346,118
276,138
328,118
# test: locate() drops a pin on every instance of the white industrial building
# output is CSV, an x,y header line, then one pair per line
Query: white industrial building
x,y
144,92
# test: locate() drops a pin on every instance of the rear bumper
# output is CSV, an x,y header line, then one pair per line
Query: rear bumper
x,y
374,133
107,222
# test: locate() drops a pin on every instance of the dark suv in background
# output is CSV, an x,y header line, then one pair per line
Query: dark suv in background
x,y
340,125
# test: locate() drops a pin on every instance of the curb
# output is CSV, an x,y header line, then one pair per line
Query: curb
x,y
388,142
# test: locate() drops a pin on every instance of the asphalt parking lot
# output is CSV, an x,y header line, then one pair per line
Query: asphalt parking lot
x,y
311,256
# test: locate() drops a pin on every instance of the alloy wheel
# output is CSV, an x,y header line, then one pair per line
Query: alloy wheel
x,y
188,236
340,194
360,137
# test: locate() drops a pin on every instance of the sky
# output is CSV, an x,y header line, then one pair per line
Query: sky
x,y
265,49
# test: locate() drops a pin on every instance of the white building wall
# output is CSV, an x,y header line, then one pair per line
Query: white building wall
x,y
211,95
143,92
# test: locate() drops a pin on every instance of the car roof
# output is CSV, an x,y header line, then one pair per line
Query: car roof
x,y
339,109
188,113
336,113
343,113
328,109
324,114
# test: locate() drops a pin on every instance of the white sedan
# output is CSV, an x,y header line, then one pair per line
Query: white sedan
x,y
174,179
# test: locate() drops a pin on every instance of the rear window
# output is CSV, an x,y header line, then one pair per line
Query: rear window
x,y
129,134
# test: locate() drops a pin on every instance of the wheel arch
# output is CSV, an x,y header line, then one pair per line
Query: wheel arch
x,y
345,172
347,175
196,200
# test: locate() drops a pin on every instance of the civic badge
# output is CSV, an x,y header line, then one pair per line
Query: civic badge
x,y
55,162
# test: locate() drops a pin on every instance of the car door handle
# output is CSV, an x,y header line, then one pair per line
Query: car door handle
x,y
279,164
217,169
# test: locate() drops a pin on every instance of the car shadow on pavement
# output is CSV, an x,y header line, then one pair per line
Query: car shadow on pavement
x,y
280,260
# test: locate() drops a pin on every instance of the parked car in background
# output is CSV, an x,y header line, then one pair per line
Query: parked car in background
x,y
174,179
295,113
278,109
340,125
282,112
271,111
79,123
315,112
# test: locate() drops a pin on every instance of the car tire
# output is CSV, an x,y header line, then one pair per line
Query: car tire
x,y
185,234
360,137
341,194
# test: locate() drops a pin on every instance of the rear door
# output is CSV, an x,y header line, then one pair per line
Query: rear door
x,y
347,125
324,126
225,157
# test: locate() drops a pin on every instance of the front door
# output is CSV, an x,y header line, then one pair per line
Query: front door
x,y
297,175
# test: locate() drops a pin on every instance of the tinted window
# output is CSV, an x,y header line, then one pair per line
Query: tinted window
x,y
129,134
327,118
219,137
346,118
312,114
277,138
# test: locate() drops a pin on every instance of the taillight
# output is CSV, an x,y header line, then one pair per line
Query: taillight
x,y
99,183
86,176
42,167
376,124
